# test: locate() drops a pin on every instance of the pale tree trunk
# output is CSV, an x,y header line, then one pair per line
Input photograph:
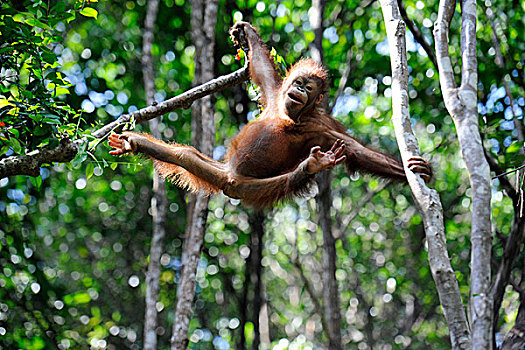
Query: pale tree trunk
x,y
330,310
197,213
427,200
159,200
316,15
461,103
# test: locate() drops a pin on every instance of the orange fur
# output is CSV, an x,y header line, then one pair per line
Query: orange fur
x,y
183,178
180,176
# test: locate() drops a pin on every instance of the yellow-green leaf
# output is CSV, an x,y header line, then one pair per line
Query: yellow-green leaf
x,y
3,102
89,12
61,91
18,18
515,147
89,170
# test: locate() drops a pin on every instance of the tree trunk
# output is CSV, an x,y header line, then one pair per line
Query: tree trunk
x,y
461,103
257,226
512,245
243,306
323,200
427,200
198,212
330,289
515,338
159,200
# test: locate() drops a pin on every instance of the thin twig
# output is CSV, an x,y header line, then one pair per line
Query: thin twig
x,y
504,181
344,79
348,64
509,172
355,211
500,62
418,36
311,291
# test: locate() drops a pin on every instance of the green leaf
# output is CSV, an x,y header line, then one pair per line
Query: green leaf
x,y
36,181
15,132
81,155
72,16
53,142
18,18
249,331
113,166
37,118
17,148
36,23
89,170
32,86
4,150
89,12
82,298
77,298
52,119
515,147
36,343
59,7
3,102
41,130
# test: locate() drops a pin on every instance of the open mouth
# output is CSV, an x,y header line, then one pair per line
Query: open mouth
x,y
295,99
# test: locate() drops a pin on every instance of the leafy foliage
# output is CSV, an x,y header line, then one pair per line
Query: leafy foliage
x,y
32,84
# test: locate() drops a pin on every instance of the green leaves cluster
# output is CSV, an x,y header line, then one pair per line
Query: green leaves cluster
x,y
32,84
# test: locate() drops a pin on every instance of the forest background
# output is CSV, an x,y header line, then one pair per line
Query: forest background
x,y
92,248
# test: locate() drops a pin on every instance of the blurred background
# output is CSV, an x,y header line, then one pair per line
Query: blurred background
x,y
74,242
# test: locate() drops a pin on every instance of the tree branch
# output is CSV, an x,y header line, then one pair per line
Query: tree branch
x,y
510,253
183,100
348,63
331,312
344,78
503,180
500,62
198,205
311,291
348,218
418,36
427,200
461,103
30,163
441,29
